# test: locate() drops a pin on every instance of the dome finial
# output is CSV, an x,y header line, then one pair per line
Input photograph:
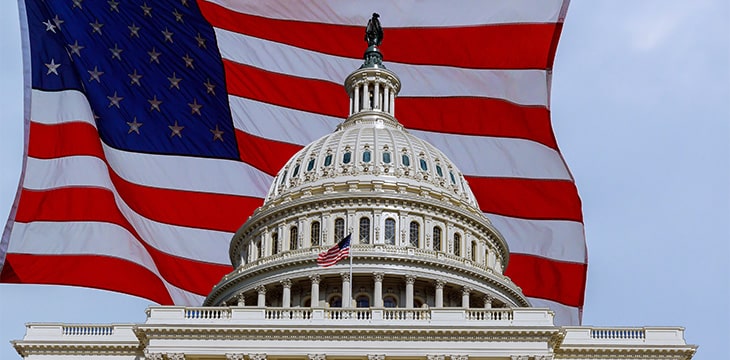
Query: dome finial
x,y
374,37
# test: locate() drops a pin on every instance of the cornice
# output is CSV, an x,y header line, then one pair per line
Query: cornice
x,y
26,349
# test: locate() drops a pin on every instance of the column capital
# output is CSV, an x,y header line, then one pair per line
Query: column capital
x,y
259,356
376,357
410,279
378,277
241,299
466,290
261,289
345,276
286,283
235,357
439,283
152,356
317,356
314,278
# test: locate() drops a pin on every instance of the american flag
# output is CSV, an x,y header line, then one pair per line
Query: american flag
x,y
154,129
336,253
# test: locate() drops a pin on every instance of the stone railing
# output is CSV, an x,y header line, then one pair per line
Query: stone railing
x,y
307,316
91,330
624,335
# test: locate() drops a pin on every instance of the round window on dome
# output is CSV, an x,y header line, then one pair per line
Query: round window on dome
x,y
424,166
405,160
347,157
310,166
328,160
366,156
386,157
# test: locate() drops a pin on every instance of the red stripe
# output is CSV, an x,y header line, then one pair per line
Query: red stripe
x,y
94,271
220,212
455,115
266,155
312,95
99,205
527,198
500,46
548,279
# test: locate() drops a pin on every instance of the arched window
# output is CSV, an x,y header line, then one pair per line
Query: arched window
x,y
362,301
414,234
310,165
315,233
328,160
424,166
339,229
405,160
346,157
293,238
389,231
366,156
335,301
274,243
364,230
457,244
390,302
296,171
386,157
473,251
259,249
436,238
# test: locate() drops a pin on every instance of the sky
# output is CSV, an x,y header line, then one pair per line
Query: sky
x,y
641,111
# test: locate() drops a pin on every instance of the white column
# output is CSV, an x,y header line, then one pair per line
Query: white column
x,y
314,298
392,103
241,299
262,296
378,290
465,297
439,301
351,103
346,296
386,97
365,97
356,99
410,280
376,95
488,301
286,293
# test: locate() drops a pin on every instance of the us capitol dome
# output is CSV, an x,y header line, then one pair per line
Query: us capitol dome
x,y
418,237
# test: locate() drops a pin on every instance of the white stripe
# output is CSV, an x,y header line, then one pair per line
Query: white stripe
x,y
409,13
57,107
564,314
85,171
497,156
555,239
87,238
164,171
486,156
526,87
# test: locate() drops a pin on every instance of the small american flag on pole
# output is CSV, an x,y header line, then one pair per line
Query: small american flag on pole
x,y
336,253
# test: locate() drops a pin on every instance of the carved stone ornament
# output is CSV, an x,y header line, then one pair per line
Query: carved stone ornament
x,y
175,356
317,356
314,278
410,279
378,277
440,284
286,283
261,289
260,356
376,357
459,357
435,357
235,356
153,356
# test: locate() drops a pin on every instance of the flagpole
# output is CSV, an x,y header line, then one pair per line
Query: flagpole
x,y
352,280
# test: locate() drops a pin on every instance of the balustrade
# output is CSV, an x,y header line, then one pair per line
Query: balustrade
x,y
88,330
207,313
618,333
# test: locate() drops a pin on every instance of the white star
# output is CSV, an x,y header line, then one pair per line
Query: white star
x,y
167,34
58,22
134,78
154,55
96,25
195,107
77,3
116,52
114,100
49,26
174,81
176,130
52,67
133,30
209,87
146,9
134,126
178,16
95,74
201,41
113,5
217,133
154,103
188,61
76,48
184,2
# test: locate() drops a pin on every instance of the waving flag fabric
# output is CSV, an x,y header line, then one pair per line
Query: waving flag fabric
x,y
154,129
336,253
